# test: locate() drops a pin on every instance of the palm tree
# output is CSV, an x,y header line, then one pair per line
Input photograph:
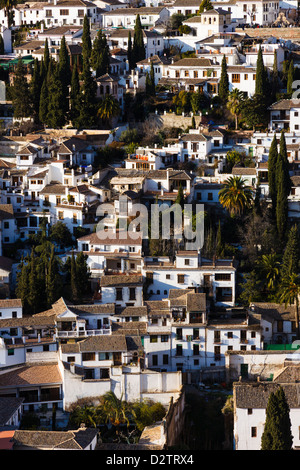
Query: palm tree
x,y
289,295
108,109
115,410
270,267
236,197
235,101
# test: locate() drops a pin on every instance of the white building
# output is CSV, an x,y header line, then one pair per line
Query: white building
x,y
126,17
53,13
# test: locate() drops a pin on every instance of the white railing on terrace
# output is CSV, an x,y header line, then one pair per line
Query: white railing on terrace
x,y
75,334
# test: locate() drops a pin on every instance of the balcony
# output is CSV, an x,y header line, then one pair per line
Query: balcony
x,y
83,333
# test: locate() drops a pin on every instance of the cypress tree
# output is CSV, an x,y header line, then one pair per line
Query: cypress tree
x,y
290,78
56,116
284,163
272,166
73,279
100,55
35,90
152,78
43,107
281,202
1,45
87,117
64,64
291,255
86,40
33,285
22,287
46,55
53,284
219,242
224,81
75,98
129,52
277,431
64,75
260,83
138,48
275,84
82,275
20,93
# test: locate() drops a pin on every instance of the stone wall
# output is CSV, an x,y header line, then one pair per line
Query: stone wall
x,y
172,120
280,33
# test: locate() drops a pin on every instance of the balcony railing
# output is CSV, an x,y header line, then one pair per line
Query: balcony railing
x,y
76,334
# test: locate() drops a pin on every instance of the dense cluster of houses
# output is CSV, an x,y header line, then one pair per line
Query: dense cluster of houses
x,y
153,323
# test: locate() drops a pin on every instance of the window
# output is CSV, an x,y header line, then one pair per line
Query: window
x,y
280,326
196,349
217,336
60,215
165,359
119,293
210,196
253,431
88,356
180,278
230,334
153,339
164,338
222,277
10,352
70,358
187,262
253,334
64,12
14,314
132,295
154,360
246,76
179,350
250,411
6,224
236,78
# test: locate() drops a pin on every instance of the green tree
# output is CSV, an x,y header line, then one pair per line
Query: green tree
x,y
43,107
152,78
35,90
235,196
108,108
129,52
64,75
86,40
235,103
1,45
291,255
180,197
115,410
88,107
205,5
20,93
251,289
22,285
138,48
270,268
290,78
224,81
75,98
289,293
74,289
56,116
275,77
46,55
100,55
260,82
219,242
53,279
61,235
277,430
82,275
272,170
